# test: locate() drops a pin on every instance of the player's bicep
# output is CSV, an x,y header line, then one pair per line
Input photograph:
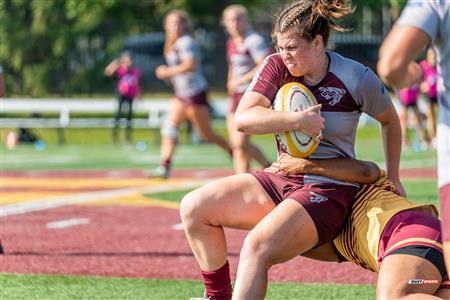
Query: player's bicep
x,y
251,100
388,115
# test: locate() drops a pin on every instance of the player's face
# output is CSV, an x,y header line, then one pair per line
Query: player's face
x,y
298,54
174,25
126,60
235,23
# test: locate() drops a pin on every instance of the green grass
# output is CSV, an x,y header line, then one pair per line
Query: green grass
x,y
48,287
92,149
172,196
422,190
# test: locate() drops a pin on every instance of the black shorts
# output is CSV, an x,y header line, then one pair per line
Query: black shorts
x,y
432,255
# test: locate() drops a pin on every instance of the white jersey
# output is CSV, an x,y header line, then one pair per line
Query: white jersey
x,y
242,56
433,17
190,83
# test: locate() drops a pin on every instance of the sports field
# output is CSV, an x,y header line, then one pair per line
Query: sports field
x,y
81,221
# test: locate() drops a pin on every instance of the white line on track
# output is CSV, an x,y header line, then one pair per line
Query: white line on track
x,y
67,223
59,201
178,226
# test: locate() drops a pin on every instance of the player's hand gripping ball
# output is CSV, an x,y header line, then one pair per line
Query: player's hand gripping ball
x,y
294,96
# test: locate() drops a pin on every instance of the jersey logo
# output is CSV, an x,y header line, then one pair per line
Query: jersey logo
x,y
332,94
317,198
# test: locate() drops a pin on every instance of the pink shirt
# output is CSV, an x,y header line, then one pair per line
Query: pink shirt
x,y
430,75
409,95
128,84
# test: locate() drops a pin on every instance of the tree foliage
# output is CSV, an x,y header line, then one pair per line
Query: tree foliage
x,y
61,46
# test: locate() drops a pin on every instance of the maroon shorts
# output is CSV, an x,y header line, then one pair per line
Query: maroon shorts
x,y
410,228
415,233
197,99
234,101
444,199
326,203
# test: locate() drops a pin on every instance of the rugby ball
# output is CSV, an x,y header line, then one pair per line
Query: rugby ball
x,y
294,96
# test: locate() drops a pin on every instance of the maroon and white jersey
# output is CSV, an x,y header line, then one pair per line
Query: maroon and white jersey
x,y
242,56
189,83
347,90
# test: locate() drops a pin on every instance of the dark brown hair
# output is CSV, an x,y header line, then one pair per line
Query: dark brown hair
x,y
309,18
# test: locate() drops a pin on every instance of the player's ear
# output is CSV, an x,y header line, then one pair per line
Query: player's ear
x,y
317,41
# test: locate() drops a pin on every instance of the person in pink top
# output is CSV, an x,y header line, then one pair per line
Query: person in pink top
x,y
408,97
429,87
128,78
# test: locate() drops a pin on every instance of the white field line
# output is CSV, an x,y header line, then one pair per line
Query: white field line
x,y
59,201
178,226
67,223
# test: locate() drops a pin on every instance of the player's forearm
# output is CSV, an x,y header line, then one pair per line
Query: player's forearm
x,y
391,134
346,169
262,120
112,67
343,168
186,66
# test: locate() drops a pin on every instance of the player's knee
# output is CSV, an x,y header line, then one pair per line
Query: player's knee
x,y
256,249
170,131
190,208
187,207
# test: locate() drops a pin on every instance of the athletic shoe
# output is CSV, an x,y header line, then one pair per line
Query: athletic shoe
x,y
1,248
161,172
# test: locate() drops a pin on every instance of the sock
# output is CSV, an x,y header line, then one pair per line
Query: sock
x,y
166,163
218,283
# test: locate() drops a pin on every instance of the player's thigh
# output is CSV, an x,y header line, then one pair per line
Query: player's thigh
x,y
200,118
443,293
177,112
237,201
285,232
398,275
325,252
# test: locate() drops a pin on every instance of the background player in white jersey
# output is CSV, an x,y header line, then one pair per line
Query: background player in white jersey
x,y
246,50
184,70
423,23
286,213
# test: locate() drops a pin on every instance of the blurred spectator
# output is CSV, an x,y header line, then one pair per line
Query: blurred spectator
x,y
128,88
429,88
408,98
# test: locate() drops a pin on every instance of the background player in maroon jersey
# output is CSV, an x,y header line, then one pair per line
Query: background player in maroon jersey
x,y
246,50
